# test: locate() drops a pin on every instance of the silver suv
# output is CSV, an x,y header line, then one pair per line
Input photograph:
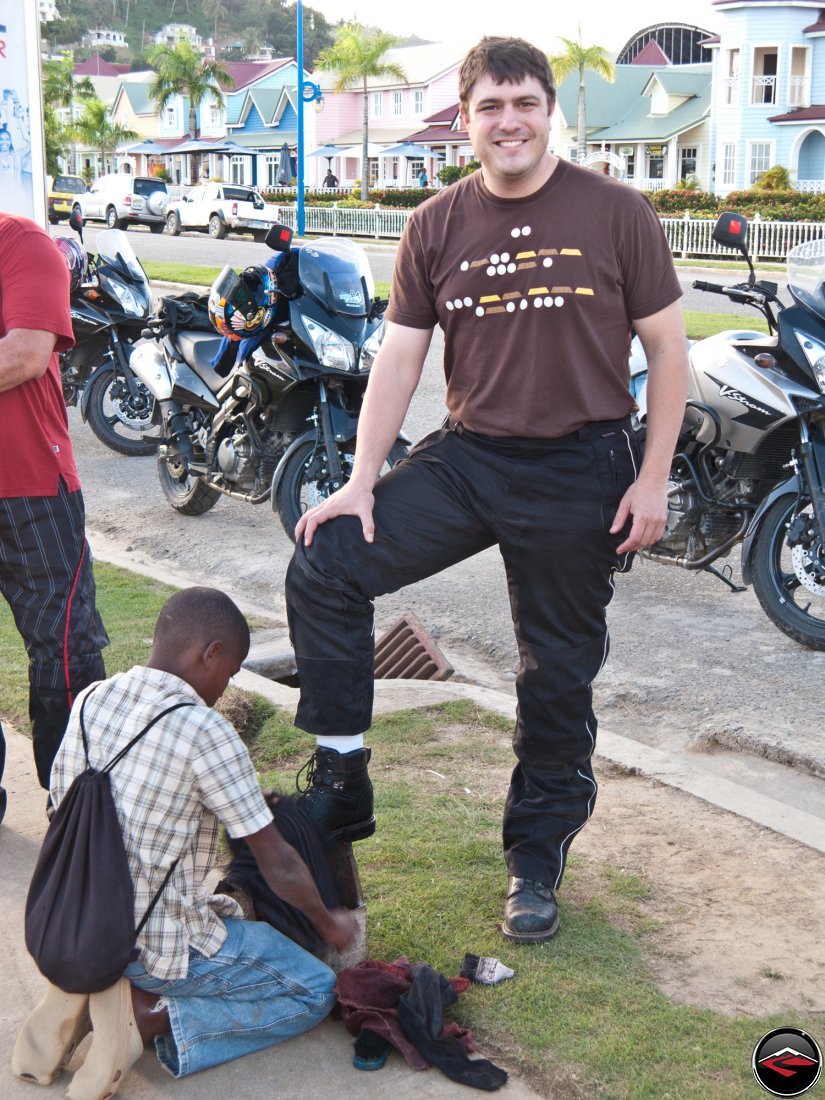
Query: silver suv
x,y
122,200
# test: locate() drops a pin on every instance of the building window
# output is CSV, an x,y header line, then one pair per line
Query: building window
x,y
732,77
763,88
418,101
760,159
214,114
728,165
397,103
170,116
272,163
798,89
236,169
377,104
687,162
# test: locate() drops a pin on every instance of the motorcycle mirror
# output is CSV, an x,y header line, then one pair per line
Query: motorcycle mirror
x,y
76,222
731,231
279,238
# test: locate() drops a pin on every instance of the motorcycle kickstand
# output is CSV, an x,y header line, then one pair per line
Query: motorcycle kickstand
x,y
725,580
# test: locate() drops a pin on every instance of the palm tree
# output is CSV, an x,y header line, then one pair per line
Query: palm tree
x,y
577,57
59,90
355,56
182,71
215,9
96,128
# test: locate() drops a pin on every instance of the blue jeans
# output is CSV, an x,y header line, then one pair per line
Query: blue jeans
x,y
259,989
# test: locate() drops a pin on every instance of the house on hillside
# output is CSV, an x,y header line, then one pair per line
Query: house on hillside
x,y
396,109
769,92
172,34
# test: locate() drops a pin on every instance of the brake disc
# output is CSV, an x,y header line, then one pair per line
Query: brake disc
x,y
809,568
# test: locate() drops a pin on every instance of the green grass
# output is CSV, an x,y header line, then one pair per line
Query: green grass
x,y
699,325
583,1017
205,276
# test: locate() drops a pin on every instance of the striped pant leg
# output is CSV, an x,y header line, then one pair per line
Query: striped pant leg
x,y
46,577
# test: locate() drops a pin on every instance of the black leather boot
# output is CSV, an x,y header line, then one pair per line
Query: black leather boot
x,y
338,793
530,914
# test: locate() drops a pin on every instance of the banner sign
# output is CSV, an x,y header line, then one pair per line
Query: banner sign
x,y
22,156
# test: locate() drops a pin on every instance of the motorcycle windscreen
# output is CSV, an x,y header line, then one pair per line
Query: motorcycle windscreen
x,y
337,275
114,248
806,275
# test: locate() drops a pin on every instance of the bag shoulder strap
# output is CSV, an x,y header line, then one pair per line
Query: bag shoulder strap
x,y
119,756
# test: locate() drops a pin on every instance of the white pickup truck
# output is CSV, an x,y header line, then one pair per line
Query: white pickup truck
x,y
219,209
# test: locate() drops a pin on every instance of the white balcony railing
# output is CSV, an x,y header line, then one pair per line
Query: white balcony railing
x,y
798,92
763,89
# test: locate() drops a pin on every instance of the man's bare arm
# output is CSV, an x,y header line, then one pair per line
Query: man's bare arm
x,y
287,875
24,354
393,380
663,338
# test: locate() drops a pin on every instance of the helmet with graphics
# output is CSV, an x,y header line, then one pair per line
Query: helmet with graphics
x,y
243,305
74,254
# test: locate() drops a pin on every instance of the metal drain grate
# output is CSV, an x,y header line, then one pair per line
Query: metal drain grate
x,y
407,652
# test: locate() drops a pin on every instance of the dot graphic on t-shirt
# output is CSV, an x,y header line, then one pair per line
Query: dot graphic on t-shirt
x,y
479,311
515,232
468,301
548,261
505,257
537,303
559,301
465,266
511,267
524,303
511,307
548,301
449,305
526,231
494,258
458,303
501,268
491,270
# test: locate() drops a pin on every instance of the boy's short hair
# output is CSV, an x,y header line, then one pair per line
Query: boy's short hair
x,y
507,61
201,615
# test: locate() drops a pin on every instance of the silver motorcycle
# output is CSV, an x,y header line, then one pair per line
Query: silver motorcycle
x,y
749,466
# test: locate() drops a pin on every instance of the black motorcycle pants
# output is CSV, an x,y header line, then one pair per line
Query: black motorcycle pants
x,y
549,506
46,577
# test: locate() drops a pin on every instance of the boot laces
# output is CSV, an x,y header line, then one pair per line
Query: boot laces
x,y
308,771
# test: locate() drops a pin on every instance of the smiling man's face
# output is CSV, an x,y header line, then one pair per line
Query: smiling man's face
x,y
509,126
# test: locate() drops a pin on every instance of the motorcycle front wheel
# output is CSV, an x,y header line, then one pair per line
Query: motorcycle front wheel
x,y
119,419
305,480
790,581
189,495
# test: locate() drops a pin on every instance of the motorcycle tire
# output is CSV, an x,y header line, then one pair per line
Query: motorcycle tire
x,y
797,608
189,495
304,483
109,395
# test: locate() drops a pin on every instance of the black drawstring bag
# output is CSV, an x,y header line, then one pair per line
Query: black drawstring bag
x,y
80,910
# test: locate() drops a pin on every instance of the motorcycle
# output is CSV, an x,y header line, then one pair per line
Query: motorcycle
x,y
749,465
277,421
109,310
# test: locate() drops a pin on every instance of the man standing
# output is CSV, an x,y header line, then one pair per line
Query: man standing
x,y
535,269
45,564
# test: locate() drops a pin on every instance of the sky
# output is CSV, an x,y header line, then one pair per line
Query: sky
x,y
463,22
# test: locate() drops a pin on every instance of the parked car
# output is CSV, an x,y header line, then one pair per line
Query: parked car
x,y
62,194
219,208
122,200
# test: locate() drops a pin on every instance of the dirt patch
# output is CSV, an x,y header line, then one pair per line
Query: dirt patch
x,y
739,908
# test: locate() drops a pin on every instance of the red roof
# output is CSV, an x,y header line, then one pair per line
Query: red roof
x,y
818,26
247,72
652,54
814,113
96,66
447,115
439,135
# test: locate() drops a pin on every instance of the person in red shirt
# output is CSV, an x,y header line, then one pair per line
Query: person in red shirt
x,y
45,562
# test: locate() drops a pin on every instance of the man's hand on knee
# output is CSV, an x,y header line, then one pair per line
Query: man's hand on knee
x,y
350,500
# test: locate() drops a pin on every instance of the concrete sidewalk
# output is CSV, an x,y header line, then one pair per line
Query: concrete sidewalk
x,y
315,1065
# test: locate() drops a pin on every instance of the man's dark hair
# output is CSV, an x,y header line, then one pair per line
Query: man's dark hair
x,y
507,61
201,615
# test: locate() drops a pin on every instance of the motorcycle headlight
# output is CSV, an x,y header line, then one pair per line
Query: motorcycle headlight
x,y
815,354
332,350
128,302
370,348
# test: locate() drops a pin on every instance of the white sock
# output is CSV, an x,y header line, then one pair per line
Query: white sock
x,y
341,744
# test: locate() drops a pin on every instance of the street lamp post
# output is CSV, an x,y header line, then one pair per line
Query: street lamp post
x,y
307,93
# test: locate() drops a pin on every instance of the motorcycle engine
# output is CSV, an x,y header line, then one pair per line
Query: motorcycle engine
x,y
235,460
683,515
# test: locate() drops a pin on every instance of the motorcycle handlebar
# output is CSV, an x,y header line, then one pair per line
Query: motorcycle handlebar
x,y
713,288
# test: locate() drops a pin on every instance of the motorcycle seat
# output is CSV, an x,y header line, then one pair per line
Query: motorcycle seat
x,y
198,350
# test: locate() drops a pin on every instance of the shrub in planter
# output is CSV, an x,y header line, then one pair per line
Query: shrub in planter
x,y
677,201
405,197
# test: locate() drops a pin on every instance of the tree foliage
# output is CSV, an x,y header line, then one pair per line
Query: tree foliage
x,y
582,59
96,128
356,55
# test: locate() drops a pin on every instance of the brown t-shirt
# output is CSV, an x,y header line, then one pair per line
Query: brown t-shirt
x,y
535,296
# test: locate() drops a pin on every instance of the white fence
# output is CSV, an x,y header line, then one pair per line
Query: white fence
x,y
767,240
348,221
